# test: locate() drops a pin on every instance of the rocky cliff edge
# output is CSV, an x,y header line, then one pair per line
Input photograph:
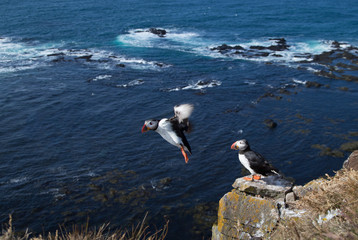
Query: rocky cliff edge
x,y
261,209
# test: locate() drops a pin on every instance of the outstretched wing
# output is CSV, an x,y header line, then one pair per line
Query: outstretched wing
x,y
181,114
183,111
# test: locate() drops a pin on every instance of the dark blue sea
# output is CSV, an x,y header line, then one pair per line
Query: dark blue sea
x,y
78,79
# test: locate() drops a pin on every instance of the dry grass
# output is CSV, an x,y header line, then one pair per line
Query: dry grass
x,y
333,211
138,232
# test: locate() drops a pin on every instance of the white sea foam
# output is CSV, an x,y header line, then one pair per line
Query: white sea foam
x,y
299,81
18,180
199,85
312,69
131,83
18,56
101,77
174,39
202,85
250,82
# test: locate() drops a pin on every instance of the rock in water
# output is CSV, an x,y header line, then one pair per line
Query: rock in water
x,y
157,31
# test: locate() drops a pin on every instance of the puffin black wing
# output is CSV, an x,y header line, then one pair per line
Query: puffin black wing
x,y
259,164
178,128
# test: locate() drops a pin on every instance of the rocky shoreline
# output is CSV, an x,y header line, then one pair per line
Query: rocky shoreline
x,y
338,63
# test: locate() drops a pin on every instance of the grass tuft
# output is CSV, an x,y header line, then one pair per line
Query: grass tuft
x,y
138,232
332,208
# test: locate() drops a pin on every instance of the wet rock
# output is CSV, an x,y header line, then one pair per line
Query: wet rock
x,y
270,123
101,197
262,54
280,41
326,74
336,44
225,48
56,54
325,57
349,146
233,110
349,78
161,183
60,59
310,84
348,66
277,48
349,56
327,151
200,93
343,89
352,161
157,31
284,91
86,57
258,47
165,181
269,94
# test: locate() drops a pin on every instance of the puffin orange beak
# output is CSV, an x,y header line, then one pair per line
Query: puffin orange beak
x,y
233,146
144,128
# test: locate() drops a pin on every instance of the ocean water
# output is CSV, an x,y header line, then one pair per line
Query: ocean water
x,y
78,79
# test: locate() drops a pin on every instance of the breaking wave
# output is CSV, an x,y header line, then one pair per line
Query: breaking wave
x,y
199,85
131,83
174,39
19,56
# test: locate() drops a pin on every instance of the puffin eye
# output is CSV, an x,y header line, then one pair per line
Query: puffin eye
x,y
150,123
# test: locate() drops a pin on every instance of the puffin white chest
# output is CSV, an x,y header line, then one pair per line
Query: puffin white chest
x,y
246,163
166,131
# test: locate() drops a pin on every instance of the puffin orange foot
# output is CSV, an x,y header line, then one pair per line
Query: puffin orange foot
x,y
248,178
257,177
184,154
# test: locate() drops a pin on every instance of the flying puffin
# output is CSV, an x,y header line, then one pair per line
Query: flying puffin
x,y
253,161
172,129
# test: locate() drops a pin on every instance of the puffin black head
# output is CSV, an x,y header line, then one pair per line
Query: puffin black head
x,y
150,125
240,145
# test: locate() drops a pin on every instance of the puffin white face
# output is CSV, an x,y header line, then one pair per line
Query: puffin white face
x,y
150,125
240,145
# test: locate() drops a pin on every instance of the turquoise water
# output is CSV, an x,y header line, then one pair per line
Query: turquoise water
x,y
78,79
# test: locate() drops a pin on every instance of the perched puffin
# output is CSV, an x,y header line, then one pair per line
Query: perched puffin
x,y
172,130
253,161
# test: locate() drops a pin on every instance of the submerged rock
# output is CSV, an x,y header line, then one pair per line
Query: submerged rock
x,y
270,123
349,146
310,84
327,151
